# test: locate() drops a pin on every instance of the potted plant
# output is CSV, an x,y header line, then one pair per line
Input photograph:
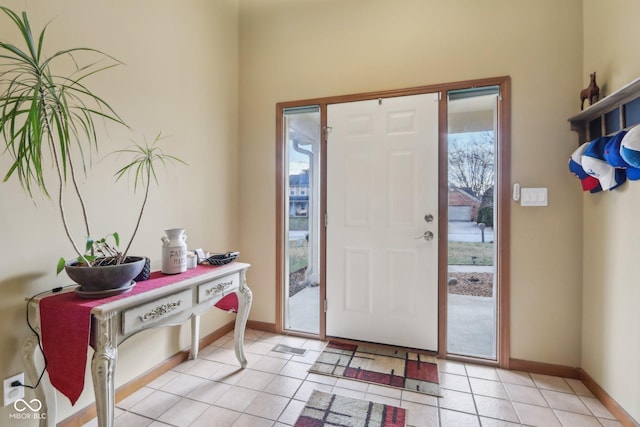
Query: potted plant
x,y
49,118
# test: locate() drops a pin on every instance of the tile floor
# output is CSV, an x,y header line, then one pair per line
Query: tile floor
x,y
272,390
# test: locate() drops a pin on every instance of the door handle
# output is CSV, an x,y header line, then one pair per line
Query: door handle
x,y
427,235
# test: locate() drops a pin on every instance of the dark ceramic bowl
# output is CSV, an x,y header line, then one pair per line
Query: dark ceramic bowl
x,y
105,277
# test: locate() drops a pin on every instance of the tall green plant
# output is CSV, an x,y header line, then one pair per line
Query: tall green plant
x,y
44,114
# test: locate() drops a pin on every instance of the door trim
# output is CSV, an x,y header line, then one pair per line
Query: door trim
x,y
503,198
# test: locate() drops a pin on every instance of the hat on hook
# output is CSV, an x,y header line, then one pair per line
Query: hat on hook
x,y
594,164
589,183
630,147
613,156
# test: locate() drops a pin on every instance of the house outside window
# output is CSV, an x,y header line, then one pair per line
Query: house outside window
x,y
299,194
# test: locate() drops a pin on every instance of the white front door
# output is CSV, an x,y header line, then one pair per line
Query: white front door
x,y
382,194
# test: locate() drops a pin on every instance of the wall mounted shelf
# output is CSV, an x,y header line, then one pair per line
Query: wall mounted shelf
x,y
620,110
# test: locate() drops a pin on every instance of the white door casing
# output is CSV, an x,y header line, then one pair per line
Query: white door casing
x,y
382,180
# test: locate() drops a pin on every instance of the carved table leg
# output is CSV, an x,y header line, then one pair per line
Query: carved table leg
x,y
244,305
195,337
45,393
103,367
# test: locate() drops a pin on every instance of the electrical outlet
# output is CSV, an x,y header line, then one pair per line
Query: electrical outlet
x,y
11,394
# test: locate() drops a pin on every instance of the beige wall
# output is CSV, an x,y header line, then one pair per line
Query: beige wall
x,y
293,50
181,78
611,325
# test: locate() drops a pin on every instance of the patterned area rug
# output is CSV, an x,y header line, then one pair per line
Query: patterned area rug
x,y
323,409
381,365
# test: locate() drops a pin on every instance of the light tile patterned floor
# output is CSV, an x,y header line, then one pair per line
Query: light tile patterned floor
x,y
272,390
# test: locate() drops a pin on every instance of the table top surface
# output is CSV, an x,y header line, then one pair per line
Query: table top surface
x,y
175,282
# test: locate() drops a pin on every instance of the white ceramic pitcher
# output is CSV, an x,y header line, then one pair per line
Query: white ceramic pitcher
x,y
174,251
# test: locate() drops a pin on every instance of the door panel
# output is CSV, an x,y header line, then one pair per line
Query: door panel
x,y
400,200
356,195
382,281
357,283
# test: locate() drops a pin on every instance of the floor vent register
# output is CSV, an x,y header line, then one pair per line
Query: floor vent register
x,y
281,348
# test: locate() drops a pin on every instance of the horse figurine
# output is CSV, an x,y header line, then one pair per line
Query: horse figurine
x,y
592,91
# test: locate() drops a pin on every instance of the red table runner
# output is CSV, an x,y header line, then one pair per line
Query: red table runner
x,y
65,322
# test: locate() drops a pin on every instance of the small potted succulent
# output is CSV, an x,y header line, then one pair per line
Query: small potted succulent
x,y
48,118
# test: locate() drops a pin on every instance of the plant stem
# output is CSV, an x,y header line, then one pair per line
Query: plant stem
x,y
144,202
80,199
61,205
60,180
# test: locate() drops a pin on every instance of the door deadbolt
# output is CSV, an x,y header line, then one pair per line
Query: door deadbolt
x,y
428,218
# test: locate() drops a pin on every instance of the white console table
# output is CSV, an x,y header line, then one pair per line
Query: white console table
x,y
115,321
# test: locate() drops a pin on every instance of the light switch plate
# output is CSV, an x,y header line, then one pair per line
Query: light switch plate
x,y
534,197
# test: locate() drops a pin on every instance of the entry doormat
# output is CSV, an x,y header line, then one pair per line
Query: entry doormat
x,y
323,409
380,365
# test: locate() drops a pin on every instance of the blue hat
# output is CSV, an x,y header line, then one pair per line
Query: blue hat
x,y
614,158
630,147
594,164
588,182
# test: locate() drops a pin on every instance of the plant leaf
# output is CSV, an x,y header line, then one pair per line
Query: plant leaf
x,y
89,244
60,266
